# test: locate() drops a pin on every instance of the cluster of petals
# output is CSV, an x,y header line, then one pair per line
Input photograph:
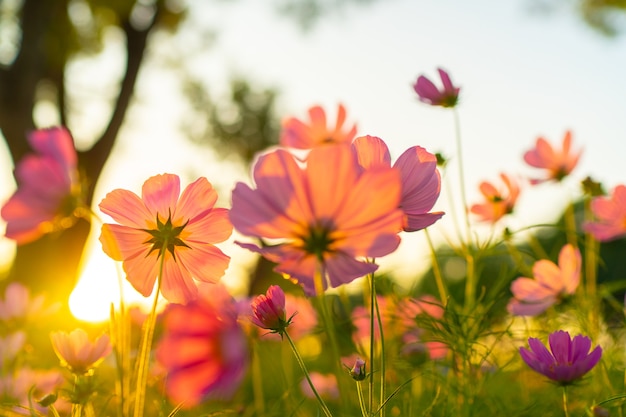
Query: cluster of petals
x,y
305,135
566,361
10,346
48,186
421,181
610,216
204,349
163,222
268,310
551,282
558,163
498,201
324,214
25,384
77,352
428,92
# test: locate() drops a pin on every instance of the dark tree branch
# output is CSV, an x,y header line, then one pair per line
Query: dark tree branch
x,y
94,159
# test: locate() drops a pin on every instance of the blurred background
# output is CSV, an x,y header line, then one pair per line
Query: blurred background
x,y
196,88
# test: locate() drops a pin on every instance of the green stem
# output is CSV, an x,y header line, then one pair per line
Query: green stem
x,y
372,341
382,354
321,402
441,286
146,346
570,225
329,326
565,401
359,391
459,151
257,382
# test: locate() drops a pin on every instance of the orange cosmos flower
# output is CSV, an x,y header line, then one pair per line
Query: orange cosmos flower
x,y
558,162
164,223
301,135
498,202
77,352
325,213
552,282
610,216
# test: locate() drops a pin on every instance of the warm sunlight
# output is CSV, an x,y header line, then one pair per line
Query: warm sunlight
x,y
98,287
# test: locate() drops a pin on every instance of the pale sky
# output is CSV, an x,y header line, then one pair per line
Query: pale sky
x,y
521,75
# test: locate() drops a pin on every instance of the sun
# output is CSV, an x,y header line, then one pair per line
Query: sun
x,y
99,287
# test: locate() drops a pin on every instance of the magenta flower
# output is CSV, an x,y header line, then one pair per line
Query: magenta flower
x,y
558,163
421,182
551,283
302,135
77,352
48,190
498,202
567,360
323,214
610,214
268,311
430,94
182,228
204,349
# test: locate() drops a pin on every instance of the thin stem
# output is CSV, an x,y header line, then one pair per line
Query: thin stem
x,y
359,391
321,402
570,225
372,341
441,286
459,151
146,346
565,401
257,382
329,326
382,355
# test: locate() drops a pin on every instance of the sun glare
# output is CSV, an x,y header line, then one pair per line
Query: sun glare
x,y
98,288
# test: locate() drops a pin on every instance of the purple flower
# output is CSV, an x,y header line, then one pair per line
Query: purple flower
x,y
430,94
567,360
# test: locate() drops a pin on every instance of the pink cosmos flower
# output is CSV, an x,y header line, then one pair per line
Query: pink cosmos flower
x,y
566,361
19,305
610,214
268,311
48,187
498,202
302,135
325,384
204,349
324,213
430,94
77,352
421,182
10,346
357,372
552,282
26,383
165,223
558,162
300,309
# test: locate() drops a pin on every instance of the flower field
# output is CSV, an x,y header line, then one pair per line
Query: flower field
x,y
534,326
